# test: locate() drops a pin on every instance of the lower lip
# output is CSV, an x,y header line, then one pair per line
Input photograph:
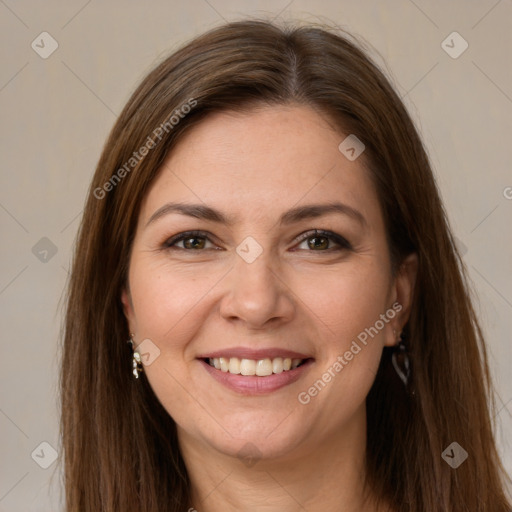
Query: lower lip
x,y
254,385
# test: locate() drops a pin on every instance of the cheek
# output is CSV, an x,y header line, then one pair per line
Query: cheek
x,y
167,304
350,350
349,306
345,301
167,301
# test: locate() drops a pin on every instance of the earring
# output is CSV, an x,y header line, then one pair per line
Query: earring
x,y
136,360
400,360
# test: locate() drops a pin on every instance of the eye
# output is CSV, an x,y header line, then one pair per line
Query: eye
x,y
319,240
192,240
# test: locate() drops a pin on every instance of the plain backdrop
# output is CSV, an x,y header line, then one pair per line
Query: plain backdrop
x,y
57,112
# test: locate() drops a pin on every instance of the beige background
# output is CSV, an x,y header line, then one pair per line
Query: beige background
x,y
58,111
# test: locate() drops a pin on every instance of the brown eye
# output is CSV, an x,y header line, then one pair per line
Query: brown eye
x,y
198,243
192,241
318,242
321,241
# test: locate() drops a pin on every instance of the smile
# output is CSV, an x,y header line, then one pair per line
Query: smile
x,y
258,367
254,372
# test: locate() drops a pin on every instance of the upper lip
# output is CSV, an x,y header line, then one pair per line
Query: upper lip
x,y
256,354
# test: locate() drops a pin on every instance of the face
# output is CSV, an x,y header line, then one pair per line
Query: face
x,y
255,290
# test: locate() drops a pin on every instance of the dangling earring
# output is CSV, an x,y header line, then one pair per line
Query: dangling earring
x,y
136,360
400,360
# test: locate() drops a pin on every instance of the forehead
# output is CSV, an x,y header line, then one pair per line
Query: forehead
x,y
261,162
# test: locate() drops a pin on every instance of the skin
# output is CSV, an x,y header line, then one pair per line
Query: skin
x,y
255,166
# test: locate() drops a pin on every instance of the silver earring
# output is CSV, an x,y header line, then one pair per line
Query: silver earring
x,y
400,360
136,360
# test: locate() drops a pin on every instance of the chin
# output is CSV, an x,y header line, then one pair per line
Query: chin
x,y
258,435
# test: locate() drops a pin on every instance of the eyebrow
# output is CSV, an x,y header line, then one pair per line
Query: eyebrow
x,y
201,211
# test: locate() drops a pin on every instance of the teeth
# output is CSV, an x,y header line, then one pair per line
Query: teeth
x,y
277,365
247,367
224,363
234,365
261,367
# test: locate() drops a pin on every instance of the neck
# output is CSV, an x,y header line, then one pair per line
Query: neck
x,y
317,476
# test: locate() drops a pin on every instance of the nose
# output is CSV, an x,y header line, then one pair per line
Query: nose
x,y
257,294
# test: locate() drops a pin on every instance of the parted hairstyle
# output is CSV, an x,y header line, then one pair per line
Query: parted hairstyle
x,y
120,448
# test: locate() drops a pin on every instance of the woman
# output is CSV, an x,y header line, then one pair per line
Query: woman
x,y
264,229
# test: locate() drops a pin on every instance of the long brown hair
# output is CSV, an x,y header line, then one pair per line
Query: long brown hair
x,y
119,444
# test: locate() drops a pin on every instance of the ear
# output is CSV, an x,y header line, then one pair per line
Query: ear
x,y
402,294
126,300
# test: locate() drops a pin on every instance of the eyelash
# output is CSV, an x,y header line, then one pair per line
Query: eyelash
x,y
338,239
